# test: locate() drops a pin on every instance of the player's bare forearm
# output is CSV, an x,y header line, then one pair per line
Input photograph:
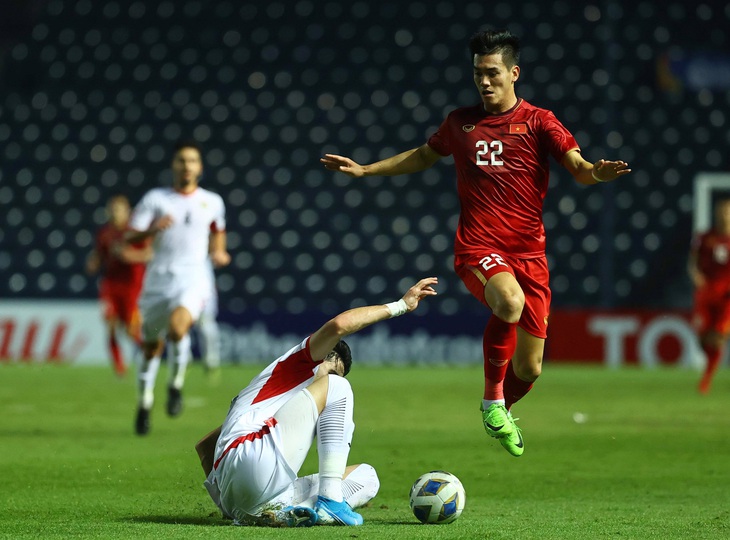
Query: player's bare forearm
x,y
206,449
134,255
217,249
356,319
410,161
93,263
134,237
693,269
588,174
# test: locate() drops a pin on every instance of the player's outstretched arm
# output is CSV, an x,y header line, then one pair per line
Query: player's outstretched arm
x,y
353,320
594,173
410,161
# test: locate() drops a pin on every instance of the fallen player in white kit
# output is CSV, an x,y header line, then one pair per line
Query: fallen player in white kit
x,y
252,461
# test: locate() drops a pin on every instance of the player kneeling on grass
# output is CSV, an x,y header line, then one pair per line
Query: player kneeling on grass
x,y
253,459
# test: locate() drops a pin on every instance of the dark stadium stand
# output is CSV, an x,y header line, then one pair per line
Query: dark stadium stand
x,y
94,93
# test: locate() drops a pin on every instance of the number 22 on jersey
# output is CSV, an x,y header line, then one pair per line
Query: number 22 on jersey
x,y
488,153
490,261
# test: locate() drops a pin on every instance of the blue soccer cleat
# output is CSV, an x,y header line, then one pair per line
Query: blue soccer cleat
x,y
331,512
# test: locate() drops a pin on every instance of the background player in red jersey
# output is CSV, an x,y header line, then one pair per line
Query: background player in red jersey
x,y
501,148
122,268
709,269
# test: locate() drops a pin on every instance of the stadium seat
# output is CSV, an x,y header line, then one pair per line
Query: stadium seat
x,y
97,92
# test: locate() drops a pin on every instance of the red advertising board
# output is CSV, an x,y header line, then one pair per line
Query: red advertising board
x,y
614,338
72,332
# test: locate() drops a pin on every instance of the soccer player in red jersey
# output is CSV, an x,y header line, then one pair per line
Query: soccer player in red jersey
x,y
122,268
501,149
709,269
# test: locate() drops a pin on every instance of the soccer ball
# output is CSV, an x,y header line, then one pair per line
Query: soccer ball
x,y
437,497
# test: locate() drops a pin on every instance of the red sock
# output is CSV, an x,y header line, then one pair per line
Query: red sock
x,y
714,355
500,339
117,357
514,388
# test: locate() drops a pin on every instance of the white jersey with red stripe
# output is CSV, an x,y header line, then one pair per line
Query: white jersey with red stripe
x,y
266,393
249,469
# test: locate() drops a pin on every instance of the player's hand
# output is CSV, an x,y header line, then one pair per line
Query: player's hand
x,y
419,291
607,171
160,224
220,258
343,164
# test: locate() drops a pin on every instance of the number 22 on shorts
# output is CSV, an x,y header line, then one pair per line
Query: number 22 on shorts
x,y
490,261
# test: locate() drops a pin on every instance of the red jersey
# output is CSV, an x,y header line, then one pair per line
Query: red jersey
x,y
502,174
115,271
713,260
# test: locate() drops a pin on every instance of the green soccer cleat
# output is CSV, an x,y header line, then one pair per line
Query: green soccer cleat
x,y
498,423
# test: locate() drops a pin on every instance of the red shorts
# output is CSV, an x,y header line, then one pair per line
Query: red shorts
x,y
120,302
531,274
711,312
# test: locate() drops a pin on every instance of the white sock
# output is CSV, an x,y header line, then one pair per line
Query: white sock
x,y
211,341
178,356
146,378
486,403
334,435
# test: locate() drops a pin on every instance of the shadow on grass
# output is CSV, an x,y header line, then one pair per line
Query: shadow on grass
x,y
215,521
211,521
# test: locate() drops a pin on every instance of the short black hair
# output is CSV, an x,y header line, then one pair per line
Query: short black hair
x,y
187,143
494,42
342,350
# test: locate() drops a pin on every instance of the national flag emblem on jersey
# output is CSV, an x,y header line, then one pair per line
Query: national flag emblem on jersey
x,y
518,129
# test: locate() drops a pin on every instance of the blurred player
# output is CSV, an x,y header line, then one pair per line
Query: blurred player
x,y
188,226
501,149
122,268
208,331
253,459
709,269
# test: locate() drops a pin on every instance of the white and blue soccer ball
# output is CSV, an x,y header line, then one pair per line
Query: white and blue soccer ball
x,y
437,497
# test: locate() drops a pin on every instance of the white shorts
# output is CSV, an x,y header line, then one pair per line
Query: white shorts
x,y
156,308
259,467
253,473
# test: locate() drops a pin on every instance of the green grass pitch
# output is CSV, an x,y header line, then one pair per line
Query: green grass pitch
x,y
651,458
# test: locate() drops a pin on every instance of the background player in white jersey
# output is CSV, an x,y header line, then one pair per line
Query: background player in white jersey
x,y
188,226
253,459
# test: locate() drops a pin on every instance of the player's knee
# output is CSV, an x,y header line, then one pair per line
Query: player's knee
x,y
175,334
367,482
529,371
338,387
371,482
151,348
179,323
509,305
